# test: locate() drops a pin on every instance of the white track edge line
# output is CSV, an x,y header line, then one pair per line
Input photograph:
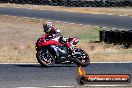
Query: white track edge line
x,y
113,62
60,87
28,87
90,62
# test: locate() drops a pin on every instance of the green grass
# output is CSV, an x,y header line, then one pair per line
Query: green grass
x,y
84,33
90,35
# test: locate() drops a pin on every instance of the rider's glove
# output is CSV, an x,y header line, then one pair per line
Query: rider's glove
x,y
64,39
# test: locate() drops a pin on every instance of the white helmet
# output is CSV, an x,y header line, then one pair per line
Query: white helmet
x,y
47,27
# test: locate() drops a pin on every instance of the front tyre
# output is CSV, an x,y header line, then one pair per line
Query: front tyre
x,y
45,58
82,59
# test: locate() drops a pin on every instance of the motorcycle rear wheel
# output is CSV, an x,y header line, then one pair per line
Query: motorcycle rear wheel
x,y
80,61
45,62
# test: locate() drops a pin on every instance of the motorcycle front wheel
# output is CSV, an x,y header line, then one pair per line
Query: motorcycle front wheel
x,y
45,58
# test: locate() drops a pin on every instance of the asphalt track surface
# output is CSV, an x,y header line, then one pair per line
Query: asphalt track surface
x,y
33,75
102,20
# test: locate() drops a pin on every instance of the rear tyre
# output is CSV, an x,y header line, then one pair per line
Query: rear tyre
x,y
45,58
84,60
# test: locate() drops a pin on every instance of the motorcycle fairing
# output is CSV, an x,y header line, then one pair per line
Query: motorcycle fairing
x,y
59,52
50,42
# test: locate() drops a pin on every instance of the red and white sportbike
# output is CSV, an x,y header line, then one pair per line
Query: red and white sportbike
x,y
52,51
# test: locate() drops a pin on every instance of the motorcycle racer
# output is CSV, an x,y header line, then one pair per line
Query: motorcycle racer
x,y
51,30
54,34
53,48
